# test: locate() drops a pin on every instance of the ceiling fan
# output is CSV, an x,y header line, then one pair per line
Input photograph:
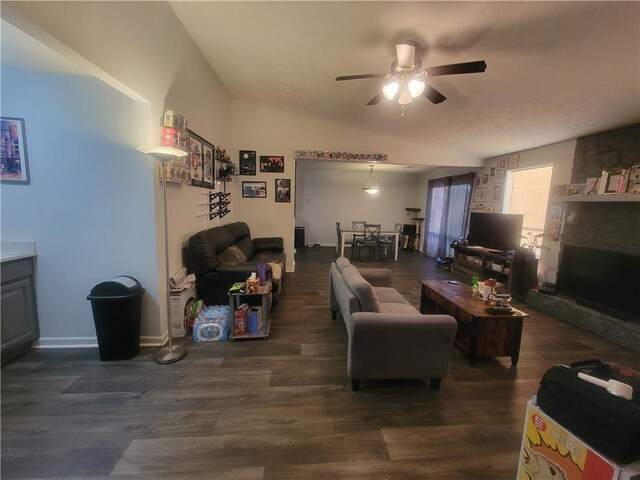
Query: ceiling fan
x,y
407,77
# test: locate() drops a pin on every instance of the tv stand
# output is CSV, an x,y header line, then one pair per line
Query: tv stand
x,y
518,273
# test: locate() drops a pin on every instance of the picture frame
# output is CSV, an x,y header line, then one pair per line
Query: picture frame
x,y
283,190
195,159
576,189
247,162
254,189
514,160
272,163
14,166
498,192
207,165
555,213
592,186
492,172
501,174
485,178
480,195
503,163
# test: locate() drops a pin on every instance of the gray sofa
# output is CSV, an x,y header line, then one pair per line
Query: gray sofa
x,y
388,337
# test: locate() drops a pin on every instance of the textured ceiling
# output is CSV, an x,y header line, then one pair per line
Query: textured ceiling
x,y
556,70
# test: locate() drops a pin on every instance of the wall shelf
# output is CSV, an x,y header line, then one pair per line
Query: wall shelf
x,y
602,198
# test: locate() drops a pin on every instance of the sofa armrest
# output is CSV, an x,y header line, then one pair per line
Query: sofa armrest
x,y
377,277
399,345
274,244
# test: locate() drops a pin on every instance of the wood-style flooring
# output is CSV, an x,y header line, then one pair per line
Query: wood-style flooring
x,y
279,408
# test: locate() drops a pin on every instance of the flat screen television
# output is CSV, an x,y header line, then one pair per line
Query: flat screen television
x,y
603,280
496,231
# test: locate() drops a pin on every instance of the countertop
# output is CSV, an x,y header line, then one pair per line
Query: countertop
x,y
10,251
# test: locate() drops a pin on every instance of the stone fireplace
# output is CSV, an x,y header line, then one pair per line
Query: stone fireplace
x,y
608,225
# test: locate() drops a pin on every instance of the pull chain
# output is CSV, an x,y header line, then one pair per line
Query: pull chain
x,y
402,107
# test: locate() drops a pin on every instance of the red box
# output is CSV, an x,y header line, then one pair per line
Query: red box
x,y
240,324
174,138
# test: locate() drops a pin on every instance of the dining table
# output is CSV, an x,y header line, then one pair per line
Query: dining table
x,y
383,233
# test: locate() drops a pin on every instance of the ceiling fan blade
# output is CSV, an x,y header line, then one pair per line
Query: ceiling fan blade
x,y
457,68
364,75
433,95
376,100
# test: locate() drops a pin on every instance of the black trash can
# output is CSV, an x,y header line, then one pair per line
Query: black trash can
x,y
116,306
299,237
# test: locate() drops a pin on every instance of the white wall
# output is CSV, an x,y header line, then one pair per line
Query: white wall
x,y
560,155
273,132
328,195
143,48
89,206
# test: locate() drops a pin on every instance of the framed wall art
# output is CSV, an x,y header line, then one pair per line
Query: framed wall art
x,y
195,159
15,163
207,165
498,191
481,195
503,163
273,164
254,189
283,190
247,162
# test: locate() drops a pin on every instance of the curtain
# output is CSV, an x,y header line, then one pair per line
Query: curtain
x,y
448,201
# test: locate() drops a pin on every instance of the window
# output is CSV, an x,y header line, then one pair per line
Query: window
x,y
527,192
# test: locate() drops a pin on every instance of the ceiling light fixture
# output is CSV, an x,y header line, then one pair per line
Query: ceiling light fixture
x,y
371,187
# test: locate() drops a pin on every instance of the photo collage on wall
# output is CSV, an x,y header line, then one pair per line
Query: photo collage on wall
x,y
200,161
268,164
490,187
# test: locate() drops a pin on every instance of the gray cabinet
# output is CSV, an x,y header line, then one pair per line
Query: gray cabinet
x,y
18,307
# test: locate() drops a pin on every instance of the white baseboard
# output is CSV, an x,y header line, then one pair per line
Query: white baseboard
x,y
90,342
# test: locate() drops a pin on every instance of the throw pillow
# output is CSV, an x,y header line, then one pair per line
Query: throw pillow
x,y
231,255
362,289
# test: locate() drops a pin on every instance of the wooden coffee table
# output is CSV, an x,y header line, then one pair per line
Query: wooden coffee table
x,y
480,334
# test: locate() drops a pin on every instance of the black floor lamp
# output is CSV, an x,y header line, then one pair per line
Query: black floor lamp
x,y
170,353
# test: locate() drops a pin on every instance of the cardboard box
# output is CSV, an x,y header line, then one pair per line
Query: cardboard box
x,y
172,137
173,120
180,303
548,447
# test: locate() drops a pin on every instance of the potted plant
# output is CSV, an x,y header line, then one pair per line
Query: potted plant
x,y
226,171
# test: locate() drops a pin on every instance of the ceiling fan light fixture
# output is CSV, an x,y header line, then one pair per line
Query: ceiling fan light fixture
x,y
416,87
405,97
390,89
371,188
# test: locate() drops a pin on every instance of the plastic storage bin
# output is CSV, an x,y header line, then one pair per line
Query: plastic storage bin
x,y
116,306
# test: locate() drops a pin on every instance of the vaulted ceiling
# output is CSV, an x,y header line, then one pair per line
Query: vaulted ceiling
x,y
556,70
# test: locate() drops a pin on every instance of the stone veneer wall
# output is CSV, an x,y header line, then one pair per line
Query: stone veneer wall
x,y
605,226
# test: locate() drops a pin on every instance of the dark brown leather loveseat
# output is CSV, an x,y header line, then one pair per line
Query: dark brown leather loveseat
x,y
221,256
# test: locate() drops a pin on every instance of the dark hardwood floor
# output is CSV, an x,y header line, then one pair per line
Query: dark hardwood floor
x,y
279,408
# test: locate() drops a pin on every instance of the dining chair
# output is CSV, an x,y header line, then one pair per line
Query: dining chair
x,y
370,240
359,226
386,242
339,239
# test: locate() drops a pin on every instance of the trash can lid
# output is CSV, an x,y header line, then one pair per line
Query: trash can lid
x,y
118,287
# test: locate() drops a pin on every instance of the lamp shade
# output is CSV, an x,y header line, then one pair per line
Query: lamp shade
x,y
390,89
162,153
416,87
371,187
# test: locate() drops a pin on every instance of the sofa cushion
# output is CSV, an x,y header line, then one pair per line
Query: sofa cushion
x,y
342,262
237,231
232,255
246,245
362,289
389,295
394,308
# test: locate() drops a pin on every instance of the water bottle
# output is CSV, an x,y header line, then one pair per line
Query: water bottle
x,y
262,273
